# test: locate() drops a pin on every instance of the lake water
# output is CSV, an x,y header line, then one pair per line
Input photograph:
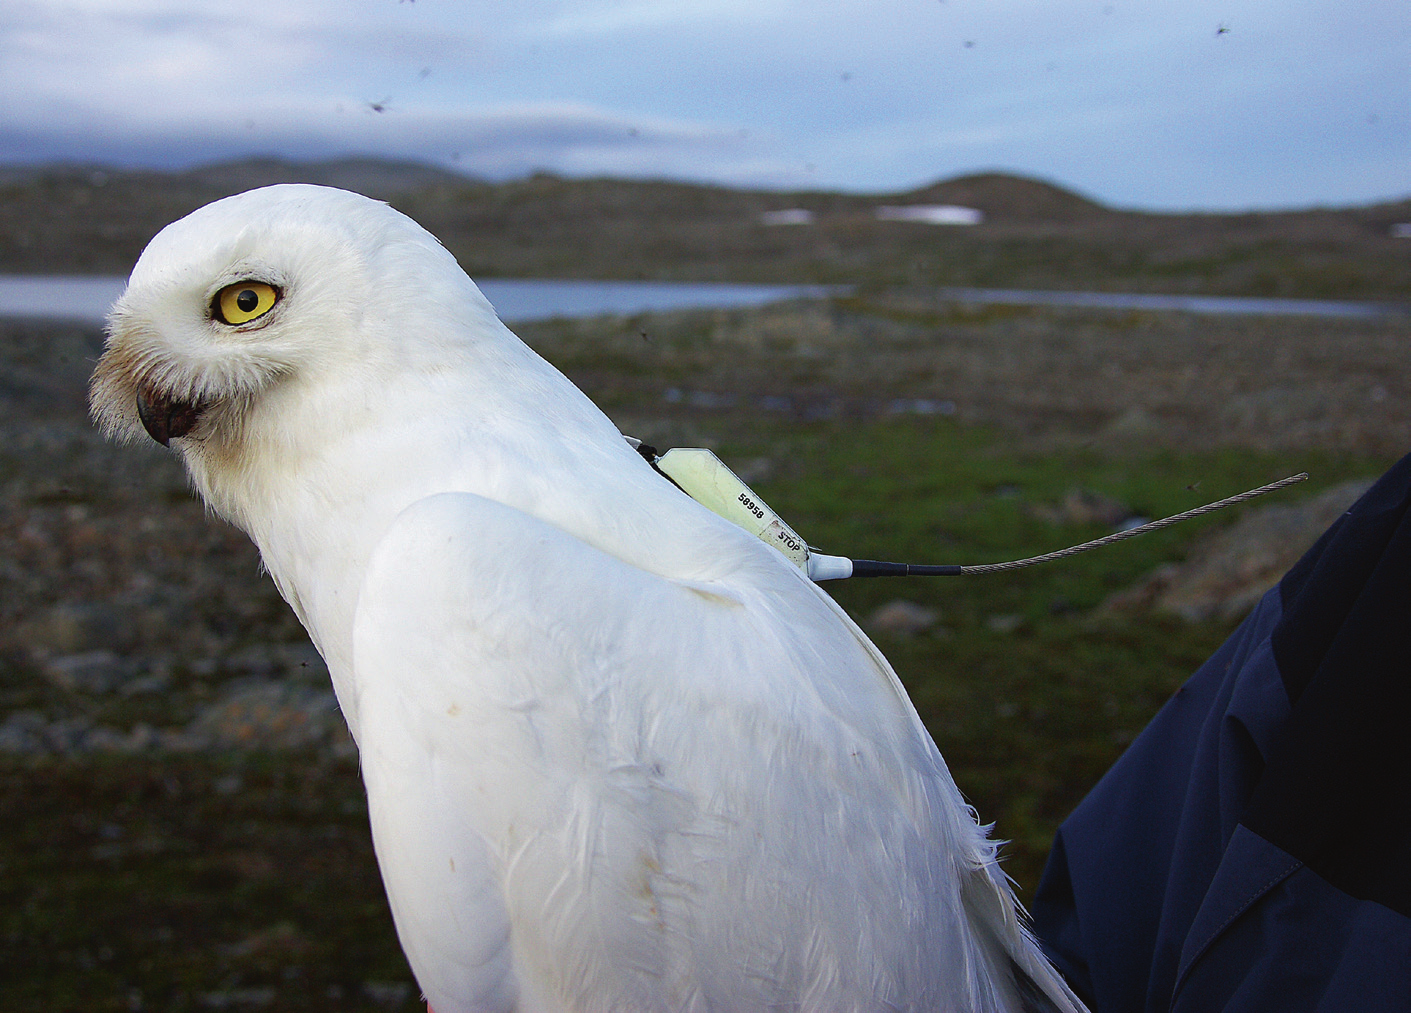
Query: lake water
x,y
87,299
1252,306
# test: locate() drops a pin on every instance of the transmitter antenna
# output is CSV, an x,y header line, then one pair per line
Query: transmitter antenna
x,y
705,478
876,568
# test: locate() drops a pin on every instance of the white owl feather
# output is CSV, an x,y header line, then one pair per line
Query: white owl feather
x,y
619,754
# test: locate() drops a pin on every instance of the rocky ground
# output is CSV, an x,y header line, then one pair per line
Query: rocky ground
x,y
1109,381
132,621
82,220
185,828
119,591
178,790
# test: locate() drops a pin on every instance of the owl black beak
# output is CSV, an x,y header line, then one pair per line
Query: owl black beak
x,y
166,418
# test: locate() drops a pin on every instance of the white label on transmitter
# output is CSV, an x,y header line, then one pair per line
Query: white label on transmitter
x,y
706,479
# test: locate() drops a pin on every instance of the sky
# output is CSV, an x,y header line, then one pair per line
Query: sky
x,y
1155,104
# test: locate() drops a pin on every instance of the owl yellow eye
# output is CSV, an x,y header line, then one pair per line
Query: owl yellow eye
x,y
244,301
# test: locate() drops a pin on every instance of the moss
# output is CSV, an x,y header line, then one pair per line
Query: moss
x,y
191,880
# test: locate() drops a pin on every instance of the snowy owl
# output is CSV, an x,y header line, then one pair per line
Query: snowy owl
x,y
619,754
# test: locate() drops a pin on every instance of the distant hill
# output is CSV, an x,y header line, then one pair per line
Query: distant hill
x,y
999,195
373,176
94,219
1009,198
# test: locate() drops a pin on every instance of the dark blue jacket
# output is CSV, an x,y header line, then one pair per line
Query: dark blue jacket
x,y
1251,851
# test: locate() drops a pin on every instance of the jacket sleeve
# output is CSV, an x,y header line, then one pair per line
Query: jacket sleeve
x,y
1252,849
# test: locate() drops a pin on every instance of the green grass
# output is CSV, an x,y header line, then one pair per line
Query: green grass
x,y
247,881
175,882
1028,719
195,882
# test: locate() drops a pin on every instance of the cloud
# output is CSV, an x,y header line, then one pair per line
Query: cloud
x,y
1137,103
493,142
615,18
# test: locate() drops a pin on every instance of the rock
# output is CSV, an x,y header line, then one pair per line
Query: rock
x,y
302,661
79,627
157,680
902,619
31,732
1084,506
388,994
1226,573
1143,594
1275,409
104,739
252,714
67,736
258,661
23,732
93,672
276,661
1007,623
1135,425
237,998
257,713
